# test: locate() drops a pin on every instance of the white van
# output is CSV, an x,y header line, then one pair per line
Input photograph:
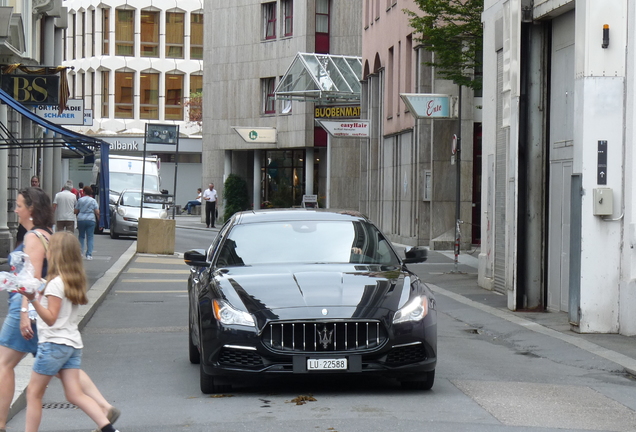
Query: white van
x,y
125,173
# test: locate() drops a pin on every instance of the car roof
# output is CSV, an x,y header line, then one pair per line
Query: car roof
x,y
297,214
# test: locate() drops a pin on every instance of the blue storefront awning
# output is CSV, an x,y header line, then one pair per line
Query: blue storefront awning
x,y
78,143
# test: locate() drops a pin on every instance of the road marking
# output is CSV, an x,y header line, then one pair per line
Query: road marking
x,y
153,260
153,280
152,292
165,271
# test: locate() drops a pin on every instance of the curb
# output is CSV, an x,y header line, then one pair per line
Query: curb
x,y
96,295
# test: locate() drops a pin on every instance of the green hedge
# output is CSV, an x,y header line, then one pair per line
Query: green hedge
x,y
235,195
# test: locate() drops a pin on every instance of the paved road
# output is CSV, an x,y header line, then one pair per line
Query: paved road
x,y
497,370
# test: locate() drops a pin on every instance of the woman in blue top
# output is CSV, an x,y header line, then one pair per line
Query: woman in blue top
x,y
18,336
87,212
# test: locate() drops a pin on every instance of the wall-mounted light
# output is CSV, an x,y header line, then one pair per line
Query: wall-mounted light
x,y
605,36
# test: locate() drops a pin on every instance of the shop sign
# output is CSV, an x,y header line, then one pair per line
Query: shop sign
x,y
423,105
72,115
257,134
346,128
327,112
32,89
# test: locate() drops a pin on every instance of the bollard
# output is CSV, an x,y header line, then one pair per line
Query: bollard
x,y
156,236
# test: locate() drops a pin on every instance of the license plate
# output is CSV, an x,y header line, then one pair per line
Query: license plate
x,y
327,364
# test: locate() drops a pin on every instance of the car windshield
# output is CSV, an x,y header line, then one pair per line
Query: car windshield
x,y
305,242
132,199
120,181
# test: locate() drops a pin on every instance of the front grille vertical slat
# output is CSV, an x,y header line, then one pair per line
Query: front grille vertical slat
x,y
319,336
335,338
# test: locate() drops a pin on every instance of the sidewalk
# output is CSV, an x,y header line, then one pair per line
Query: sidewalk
x,y
111,257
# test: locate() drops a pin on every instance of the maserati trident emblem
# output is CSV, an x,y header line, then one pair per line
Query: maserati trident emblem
x,y
324,337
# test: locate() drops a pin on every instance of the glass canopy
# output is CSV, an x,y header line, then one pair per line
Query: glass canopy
x,y
322,78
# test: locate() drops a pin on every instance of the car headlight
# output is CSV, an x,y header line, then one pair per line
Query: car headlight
x,y
121,212
415,310
227,314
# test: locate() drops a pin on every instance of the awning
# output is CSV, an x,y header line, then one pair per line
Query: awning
x,y
322,78
79,144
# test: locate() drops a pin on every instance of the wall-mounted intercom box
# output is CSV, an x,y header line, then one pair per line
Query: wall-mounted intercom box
x,y
603,201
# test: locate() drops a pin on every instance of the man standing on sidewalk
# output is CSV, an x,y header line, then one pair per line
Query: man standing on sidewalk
x,y
64,208
209,196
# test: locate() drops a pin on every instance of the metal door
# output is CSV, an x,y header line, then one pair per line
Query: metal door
x,y
561,166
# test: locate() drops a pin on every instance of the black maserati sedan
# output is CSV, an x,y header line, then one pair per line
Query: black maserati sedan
x,y
308,291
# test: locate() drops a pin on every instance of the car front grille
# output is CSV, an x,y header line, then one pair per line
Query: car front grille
x,y
239,357
406,355
334,336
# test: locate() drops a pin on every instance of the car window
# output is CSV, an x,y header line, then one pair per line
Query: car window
x,y
305,242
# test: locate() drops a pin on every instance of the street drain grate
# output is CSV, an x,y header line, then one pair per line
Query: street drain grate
x,y
473,331
59,405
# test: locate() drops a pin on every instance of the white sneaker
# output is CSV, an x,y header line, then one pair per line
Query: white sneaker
x,y
90,258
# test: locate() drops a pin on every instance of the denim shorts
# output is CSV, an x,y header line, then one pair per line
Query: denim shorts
x,y
52,358
10,335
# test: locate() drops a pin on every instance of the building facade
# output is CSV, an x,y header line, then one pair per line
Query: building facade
x,y
249,46
134,63
30,35
408,179
558,220
389,176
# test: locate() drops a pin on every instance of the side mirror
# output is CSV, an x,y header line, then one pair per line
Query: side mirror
x,y
195,258
417,254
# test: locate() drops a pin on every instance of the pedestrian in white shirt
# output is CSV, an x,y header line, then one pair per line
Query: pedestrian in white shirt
x,y
209,196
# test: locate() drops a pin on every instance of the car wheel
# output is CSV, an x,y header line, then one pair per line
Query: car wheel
x,y
210,385
113,234
422,382
193,350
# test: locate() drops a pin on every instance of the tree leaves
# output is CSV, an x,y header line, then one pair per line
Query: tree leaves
x,y
453,32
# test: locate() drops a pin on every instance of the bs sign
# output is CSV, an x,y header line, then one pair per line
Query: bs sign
x,y
32,89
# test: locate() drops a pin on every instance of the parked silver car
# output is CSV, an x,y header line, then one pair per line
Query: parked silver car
x,y
124,214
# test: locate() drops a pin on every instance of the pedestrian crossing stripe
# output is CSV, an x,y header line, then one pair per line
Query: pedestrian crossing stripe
x,y
154,280
159,260
163,271
152,292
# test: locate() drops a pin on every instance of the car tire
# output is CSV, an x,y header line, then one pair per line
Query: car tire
x,y
209,384
422,382
113,234
193,350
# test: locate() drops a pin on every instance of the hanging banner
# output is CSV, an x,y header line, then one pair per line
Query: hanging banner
x,y
346,128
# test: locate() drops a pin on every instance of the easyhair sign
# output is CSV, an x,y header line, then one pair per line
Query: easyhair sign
x,y
346,128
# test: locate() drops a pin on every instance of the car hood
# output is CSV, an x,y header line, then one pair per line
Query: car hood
x,y
343,291
149,213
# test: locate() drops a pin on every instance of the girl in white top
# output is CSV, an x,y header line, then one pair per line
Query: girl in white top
x,y
59,340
